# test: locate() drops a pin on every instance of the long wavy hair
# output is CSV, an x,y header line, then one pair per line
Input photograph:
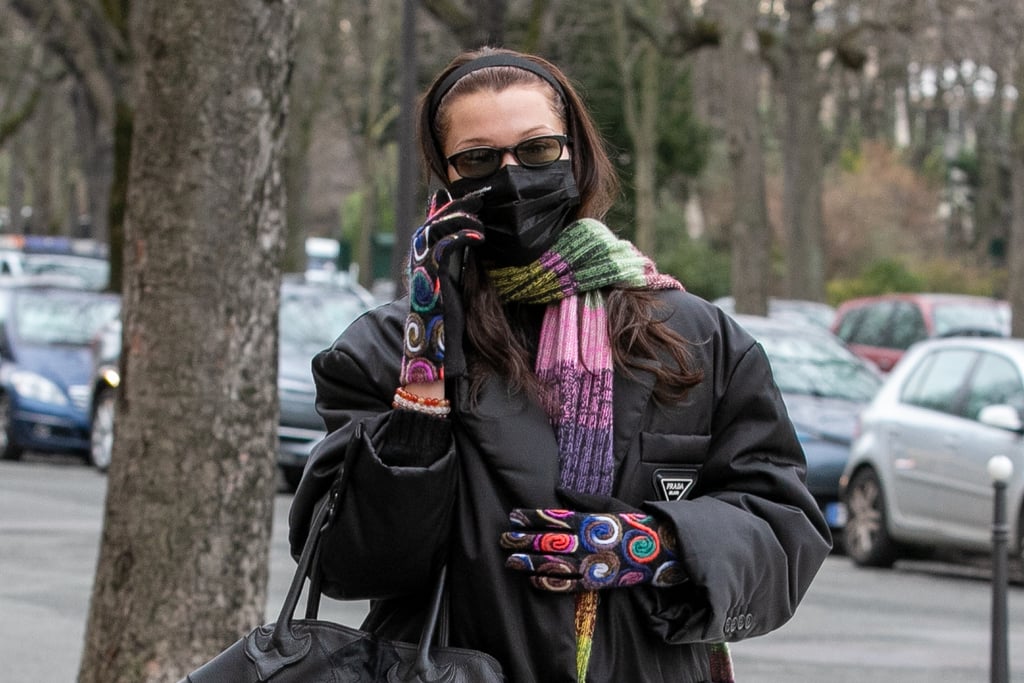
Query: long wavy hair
x,y
636,328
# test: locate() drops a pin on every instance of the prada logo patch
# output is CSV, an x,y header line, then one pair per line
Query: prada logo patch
x,y
674,484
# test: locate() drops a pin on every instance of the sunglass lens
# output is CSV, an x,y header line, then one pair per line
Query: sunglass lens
x,y
539,151
477,163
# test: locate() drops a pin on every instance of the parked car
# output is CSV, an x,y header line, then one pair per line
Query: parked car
x,y
824,387
76,262
45,364
311,316
881,328
796,310
917,479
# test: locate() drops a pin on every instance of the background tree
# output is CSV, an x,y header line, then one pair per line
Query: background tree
x,y
314,79
1015,246
639,61
91,40
371,115
750,233
182,568
801,82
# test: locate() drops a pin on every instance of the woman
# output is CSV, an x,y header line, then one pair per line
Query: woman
x,y
601,459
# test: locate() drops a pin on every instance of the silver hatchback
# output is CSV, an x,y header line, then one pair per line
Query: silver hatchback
x,y
917,477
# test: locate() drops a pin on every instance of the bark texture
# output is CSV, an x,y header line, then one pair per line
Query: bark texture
x,y
1015,247
183,562
803,161
748,226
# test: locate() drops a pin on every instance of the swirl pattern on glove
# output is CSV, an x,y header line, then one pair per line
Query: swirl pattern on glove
x,y
449,226
562,550
599,533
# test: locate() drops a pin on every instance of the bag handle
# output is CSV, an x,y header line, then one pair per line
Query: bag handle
x,y
283,636
423,661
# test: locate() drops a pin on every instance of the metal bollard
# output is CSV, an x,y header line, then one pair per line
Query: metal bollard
x,y
1000,468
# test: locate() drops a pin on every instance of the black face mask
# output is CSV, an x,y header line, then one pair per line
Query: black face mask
x,y
524,211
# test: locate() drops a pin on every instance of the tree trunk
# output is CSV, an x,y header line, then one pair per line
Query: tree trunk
x,y
406,203
802,157
182,568
16,182
122,154
1015,246
991,194
315,72
42,168
378,118
646,149
96,149
749,231
638,59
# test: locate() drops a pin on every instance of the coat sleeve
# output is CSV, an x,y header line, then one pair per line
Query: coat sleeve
x,y
751,538
395,470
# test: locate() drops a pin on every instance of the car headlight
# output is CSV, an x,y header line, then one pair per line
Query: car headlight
x,y
111,377
36,387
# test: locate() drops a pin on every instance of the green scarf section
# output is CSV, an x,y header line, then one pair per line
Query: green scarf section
x,y
586,256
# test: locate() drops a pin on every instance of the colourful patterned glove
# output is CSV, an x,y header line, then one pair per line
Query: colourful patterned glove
x,y
567,551
450,226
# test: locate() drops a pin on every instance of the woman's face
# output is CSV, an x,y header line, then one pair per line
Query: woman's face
x,y
500,119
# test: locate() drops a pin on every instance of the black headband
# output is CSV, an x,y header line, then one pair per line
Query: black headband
x,y
499,59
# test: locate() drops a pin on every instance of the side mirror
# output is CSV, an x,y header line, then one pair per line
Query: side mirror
x,y
1002,416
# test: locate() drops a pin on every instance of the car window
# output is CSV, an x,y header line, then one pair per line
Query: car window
x,y
91,272
937,383
309,322
873,327
952,319
57,318
995,381
817,365
849,323
906,326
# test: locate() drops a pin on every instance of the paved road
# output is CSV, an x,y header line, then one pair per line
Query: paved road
x,y
920,623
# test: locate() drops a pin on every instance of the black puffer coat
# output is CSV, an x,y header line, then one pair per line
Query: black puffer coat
x,y
751,536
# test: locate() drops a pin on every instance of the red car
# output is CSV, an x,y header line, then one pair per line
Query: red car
x,y
881,328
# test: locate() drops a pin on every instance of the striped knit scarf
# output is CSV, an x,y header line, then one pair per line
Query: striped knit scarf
x,y
574,361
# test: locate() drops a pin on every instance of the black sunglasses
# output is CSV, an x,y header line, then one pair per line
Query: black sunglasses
x,y
537,152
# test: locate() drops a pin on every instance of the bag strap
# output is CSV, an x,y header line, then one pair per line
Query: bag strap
x,y
283,626
424,665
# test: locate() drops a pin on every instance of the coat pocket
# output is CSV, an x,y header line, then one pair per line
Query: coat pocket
x,y
671,463
689,449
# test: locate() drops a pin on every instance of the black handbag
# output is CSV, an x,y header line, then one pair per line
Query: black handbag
x,y
313,651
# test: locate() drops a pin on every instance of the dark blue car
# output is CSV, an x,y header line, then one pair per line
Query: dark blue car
x,y
825,387
45,366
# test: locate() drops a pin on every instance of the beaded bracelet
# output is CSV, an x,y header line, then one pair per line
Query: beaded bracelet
x,y
404,400
422,400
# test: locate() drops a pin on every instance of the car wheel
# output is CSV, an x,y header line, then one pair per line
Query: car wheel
x,y
865,536
9,450
101,437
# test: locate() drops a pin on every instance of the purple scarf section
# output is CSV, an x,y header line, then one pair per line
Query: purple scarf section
x,y
574,366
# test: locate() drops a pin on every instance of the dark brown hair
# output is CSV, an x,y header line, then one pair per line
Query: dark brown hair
x,y
595,175
636,326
